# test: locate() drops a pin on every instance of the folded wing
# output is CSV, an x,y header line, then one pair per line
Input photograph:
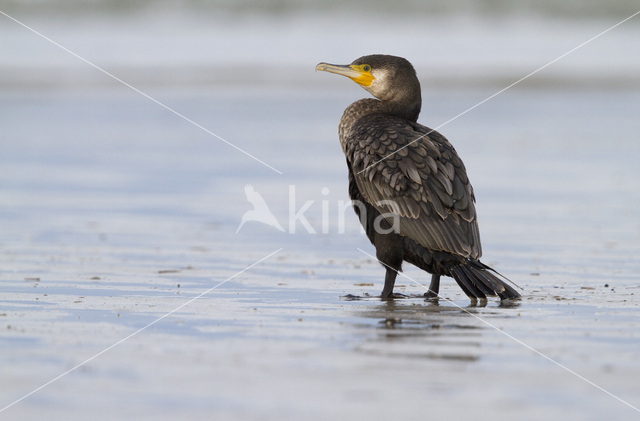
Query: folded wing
x,y
424,182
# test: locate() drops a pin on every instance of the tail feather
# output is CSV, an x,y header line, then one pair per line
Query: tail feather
x,y
467,285
477,281
461,280
489,280
480,265
509,293
477,278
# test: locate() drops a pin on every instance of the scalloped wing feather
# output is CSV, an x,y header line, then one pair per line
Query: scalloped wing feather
x,y
425,179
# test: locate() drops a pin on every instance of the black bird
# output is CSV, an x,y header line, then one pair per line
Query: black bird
x,y
408,185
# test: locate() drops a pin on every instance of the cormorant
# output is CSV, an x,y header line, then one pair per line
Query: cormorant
x,y
408,185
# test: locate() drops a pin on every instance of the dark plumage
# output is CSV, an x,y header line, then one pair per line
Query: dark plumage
x,y
409,186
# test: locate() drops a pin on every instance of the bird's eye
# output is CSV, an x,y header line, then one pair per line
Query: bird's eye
x,y
366,68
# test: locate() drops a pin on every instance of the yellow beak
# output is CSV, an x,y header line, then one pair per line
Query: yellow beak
x,y
353,72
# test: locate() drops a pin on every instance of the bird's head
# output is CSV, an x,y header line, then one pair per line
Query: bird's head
x,y
388,78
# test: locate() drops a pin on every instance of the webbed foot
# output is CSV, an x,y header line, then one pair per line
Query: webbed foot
x,y
430,295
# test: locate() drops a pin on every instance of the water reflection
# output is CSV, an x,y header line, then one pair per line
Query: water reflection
x,y
473,302
434,329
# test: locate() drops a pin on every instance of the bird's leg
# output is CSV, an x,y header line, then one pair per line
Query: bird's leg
x,y
434,287
389,282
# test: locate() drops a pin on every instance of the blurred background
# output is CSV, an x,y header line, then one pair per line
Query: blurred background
x,y
203,43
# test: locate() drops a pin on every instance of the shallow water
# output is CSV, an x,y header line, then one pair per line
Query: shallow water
x,y
114,212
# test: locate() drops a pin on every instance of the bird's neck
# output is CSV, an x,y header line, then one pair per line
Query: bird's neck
x,y
407,108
